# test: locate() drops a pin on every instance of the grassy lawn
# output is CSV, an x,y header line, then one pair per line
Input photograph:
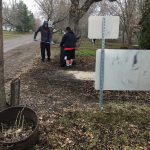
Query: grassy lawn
x,y
83,53
11,34
117,127
86,43
87,48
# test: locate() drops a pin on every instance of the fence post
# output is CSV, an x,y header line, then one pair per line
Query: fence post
x,y
15,92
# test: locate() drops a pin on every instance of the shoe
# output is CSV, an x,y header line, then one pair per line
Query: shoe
x,y
43,60
74,63
48,59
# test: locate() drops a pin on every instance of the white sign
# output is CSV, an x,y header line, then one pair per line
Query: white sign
x,y
111,27
50,23
124,70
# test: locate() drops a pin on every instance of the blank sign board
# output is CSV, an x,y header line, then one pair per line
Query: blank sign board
x,y
111,27
124,70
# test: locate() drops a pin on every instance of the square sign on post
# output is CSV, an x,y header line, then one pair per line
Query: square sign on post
x,y
111,27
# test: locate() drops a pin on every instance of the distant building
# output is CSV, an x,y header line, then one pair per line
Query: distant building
x,y
8,27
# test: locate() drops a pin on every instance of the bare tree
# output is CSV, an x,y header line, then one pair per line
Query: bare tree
x,y
141,5
61,11
129,16
77,10
5,13
10,12
17,15
83,26
46,7
49,10
102,8
2,87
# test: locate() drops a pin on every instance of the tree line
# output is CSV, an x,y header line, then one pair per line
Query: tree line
x,y
75,14
145,26
18,16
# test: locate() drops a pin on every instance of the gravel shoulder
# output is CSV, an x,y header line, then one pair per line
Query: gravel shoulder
x,y
19,60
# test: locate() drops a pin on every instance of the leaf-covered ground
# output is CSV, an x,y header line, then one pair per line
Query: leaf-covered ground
x,y
69,114
113,128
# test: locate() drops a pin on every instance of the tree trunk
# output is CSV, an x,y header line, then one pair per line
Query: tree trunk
x,y
74,17
76,13
129,38
74,24
123,37
2,87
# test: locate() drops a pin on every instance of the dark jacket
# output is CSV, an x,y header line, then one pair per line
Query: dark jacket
x,y
68,40
46,33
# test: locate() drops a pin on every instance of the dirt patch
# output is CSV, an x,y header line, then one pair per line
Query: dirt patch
x,y
54,88
48,87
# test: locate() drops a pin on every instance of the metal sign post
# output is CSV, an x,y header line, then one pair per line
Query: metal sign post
x,y
109,29
102,66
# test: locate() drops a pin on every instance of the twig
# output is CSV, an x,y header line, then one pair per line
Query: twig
x,y
22,122
15,125
20,118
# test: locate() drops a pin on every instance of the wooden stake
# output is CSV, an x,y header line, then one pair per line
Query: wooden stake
x,y
15,92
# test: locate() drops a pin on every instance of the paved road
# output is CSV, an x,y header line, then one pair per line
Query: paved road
x,y
19,41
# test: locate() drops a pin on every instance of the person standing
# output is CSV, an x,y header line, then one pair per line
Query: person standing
x,y
68,44
46,36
